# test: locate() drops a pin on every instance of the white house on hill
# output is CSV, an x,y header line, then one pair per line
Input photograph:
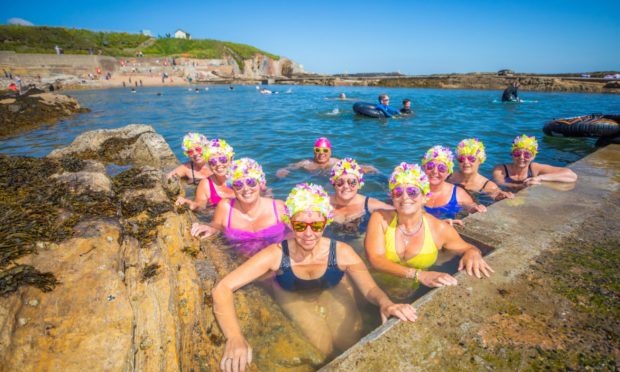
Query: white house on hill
x,y
180,34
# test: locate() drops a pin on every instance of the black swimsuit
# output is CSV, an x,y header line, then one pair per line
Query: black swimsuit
x,y
191,163
508,179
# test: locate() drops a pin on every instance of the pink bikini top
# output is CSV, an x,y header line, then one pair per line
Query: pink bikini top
x,y
214,198
248,242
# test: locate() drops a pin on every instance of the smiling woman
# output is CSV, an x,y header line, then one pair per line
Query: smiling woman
x,y
249,222
311,283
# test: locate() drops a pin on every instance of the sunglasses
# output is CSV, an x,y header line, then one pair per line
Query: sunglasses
x,y
300,226
412,191
385,100
462,158
250,182
197,150
319,150
351,181
221,159
441,167
526,154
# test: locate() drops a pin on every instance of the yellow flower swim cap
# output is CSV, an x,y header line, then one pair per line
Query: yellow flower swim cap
x,y
308,197
472,146
526,143
409,174
246,168
347,166
442,154
219,146
193,140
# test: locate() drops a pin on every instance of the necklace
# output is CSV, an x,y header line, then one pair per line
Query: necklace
x,y
407,235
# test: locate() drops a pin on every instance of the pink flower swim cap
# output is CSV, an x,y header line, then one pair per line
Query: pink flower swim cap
x,y
323,142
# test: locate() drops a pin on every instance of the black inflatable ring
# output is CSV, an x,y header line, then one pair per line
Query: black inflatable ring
x,y
585,126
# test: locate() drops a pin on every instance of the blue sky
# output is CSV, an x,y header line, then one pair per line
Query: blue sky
x,y
413,37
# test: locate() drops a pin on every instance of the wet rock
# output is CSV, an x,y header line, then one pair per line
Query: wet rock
x,y
116,294
135,144
20,113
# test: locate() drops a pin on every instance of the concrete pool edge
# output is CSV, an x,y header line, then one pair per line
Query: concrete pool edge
x,y
521,230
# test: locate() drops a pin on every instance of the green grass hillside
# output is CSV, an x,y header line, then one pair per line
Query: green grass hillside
x,y
41,39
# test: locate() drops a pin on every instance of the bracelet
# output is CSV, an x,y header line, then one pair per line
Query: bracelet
x,y
417,276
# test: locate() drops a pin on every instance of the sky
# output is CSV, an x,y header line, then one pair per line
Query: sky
x,y
412,37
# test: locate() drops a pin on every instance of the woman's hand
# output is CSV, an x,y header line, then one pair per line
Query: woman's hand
x,y
181,200
474,264
436,279
501,195
477,208
452,222
172,173
404,312
202,231
536,180
237,355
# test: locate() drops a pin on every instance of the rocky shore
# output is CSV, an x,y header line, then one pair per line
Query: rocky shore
x,y
28,111
100,271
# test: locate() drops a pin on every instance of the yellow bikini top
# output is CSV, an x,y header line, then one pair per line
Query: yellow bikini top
x,y
423,260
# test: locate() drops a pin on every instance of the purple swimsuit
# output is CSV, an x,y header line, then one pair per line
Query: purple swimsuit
x,y
249,243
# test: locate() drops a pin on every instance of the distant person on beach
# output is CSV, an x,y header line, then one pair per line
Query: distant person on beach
x,y
194,145
511,94
406,109
384,106
523,172
322,161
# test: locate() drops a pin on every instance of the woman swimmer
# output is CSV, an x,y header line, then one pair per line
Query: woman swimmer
x,y
194,145
405,242
249,222
306,264
445,199
523,172
347,178
212,189
470,154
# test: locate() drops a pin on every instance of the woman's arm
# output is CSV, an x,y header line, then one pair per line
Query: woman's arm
x,y
178,171
283,172
238,353
374,204
217,224
471,259
201,198
495,192
465,200
358,272
545,172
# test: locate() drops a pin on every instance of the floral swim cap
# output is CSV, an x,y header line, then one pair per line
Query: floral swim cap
x,y
347,166
409,174
472,146
442,154
526,143
219,146
246,168
308,197
323,142
193,140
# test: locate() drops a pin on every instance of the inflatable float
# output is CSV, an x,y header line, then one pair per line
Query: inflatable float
x,y
595,125
368,109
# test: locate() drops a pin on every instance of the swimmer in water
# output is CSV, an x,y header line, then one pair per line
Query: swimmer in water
x,y
470,154
322,160
523,172
196,169
384,106
351,207
213,189
405,242
249,221
312,278
446,199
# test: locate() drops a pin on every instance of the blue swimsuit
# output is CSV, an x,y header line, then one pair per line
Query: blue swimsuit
x,y
288,281
447,211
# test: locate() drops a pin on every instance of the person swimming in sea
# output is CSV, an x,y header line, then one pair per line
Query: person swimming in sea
x,y
312,282
406,109
196,169
322,161
385,108
511,94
